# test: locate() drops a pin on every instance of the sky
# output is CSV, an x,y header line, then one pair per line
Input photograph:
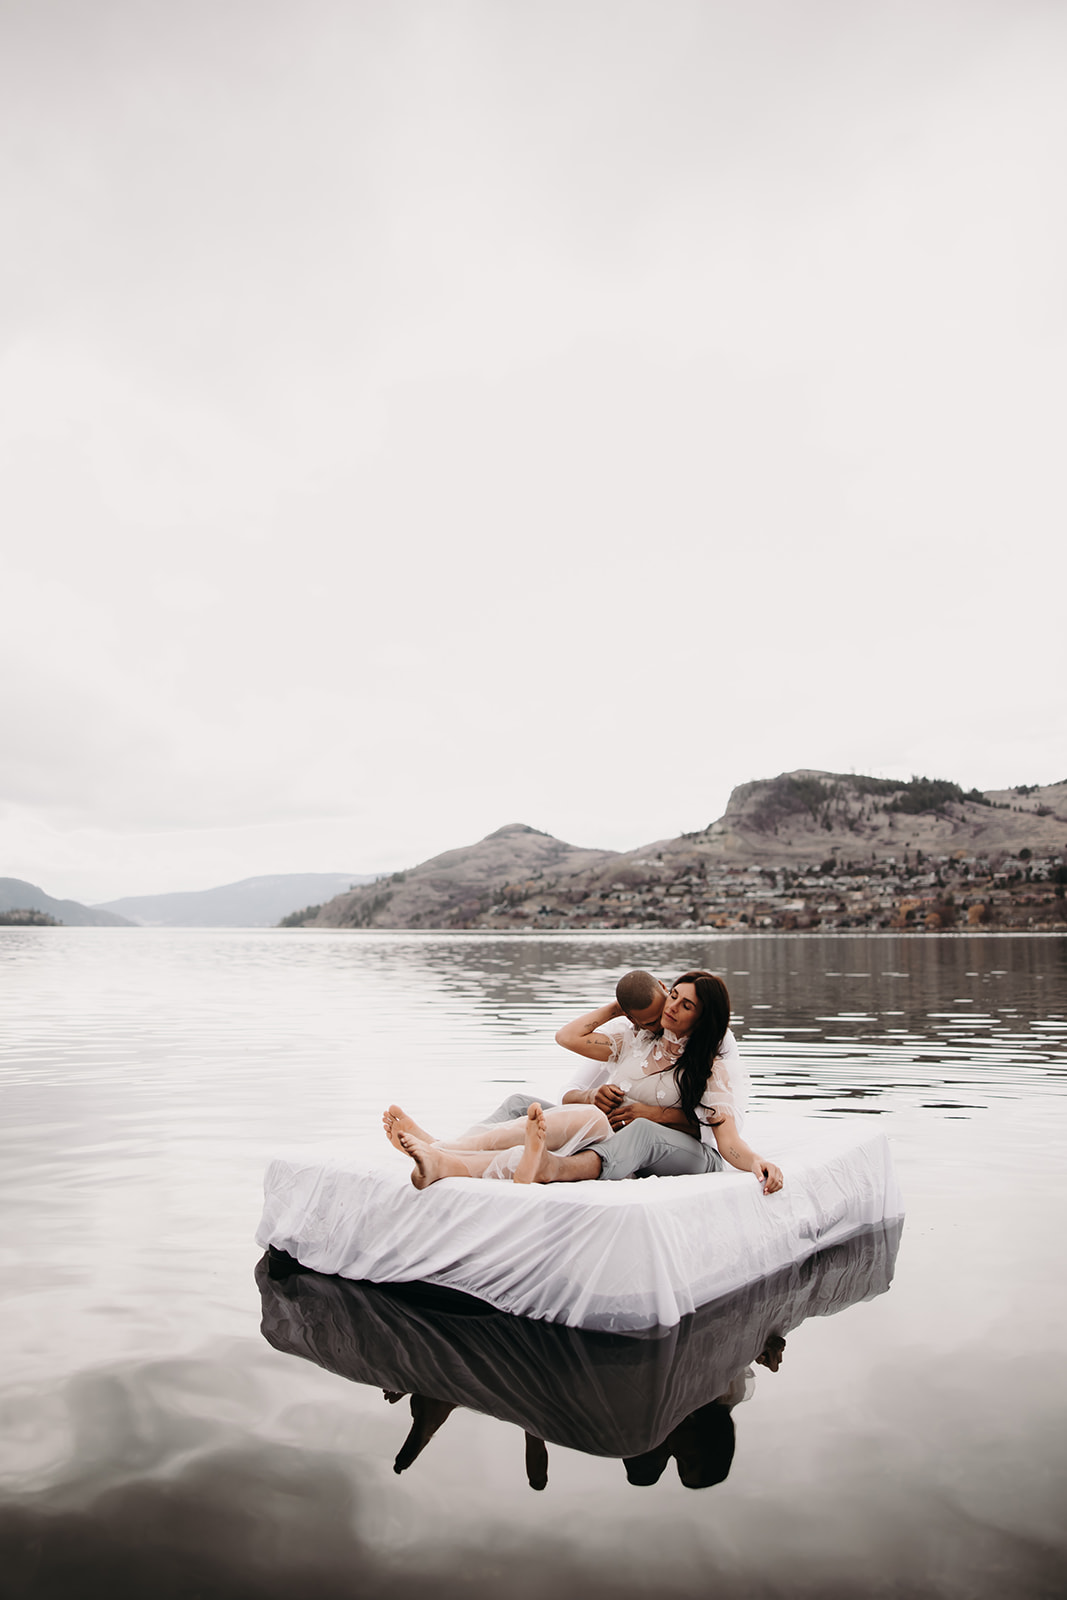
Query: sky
x,y
419,417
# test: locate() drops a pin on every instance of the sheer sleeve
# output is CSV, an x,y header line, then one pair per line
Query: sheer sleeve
x,y
727,1092
618,1033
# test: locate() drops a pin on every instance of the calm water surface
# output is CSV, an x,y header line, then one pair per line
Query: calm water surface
x,y
907,1439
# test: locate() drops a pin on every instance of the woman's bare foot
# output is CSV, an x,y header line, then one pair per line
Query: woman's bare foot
x,y
535,1159
431,1164
395,1122
426,1417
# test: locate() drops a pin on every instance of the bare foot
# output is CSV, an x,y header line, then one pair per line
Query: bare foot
x,y
395,1122
431,1164
426,1417
534,1161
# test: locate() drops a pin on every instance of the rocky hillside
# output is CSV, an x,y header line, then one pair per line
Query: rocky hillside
x,y
806,816
806,849
457,889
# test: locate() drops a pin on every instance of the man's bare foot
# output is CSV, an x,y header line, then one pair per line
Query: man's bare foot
x,y
535,1159
395,1122
431,1164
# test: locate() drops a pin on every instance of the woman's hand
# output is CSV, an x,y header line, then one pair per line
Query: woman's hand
x,y
668,1116
619,1115
733,1149
769,1175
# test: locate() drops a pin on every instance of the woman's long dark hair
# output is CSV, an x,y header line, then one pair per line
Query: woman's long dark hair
x,y
703,1041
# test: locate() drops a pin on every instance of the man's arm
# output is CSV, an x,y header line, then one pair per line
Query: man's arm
x,y
582,1037
733,1149
590,1088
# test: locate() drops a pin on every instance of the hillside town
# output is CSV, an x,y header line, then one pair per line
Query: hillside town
x,y
916,893
802,851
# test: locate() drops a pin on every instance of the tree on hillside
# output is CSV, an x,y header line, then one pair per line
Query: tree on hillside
x,y
297,919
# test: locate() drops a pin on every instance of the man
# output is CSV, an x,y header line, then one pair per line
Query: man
x,y
639,999
636,1012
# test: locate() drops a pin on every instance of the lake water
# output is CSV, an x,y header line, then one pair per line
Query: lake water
x,y
909,1440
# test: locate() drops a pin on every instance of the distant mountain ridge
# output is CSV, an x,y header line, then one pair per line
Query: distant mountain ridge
x,y
799,834
251,903
18,895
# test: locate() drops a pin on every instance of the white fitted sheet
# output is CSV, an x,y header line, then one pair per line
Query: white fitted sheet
x,y
616,1256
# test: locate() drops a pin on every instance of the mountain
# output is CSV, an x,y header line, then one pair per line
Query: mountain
x,y
251,903
806,816
822,849
455,889
17,895
806,849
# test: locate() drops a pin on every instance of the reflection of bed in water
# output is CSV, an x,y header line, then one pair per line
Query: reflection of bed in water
x,y
612,1256
605,1394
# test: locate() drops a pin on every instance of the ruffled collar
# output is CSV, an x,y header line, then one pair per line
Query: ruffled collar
x,y
666,1049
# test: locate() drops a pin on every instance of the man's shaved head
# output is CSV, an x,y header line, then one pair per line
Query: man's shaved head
x,y
637,991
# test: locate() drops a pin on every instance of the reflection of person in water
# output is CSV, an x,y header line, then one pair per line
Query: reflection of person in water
x,y
702,1444
428,1415
619,1398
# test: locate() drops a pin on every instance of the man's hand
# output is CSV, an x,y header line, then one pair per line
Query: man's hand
x,y
607,1097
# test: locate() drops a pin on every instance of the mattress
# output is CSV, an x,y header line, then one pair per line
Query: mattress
x,y
628,1256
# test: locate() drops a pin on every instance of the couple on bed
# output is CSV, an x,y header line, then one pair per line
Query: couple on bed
x,y
663,1094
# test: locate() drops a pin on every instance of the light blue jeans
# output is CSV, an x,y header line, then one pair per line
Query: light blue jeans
x,y
649,1150
642,1147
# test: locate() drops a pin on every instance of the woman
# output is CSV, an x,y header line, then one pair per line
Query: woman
x,y
678,1108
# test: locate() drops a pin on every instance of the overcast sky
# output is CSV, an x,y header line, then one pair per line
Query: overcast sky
x,y
421,417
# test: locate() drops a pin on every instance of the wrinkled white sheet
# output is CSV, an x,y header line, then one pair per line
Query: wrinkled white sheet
x,y
630,1255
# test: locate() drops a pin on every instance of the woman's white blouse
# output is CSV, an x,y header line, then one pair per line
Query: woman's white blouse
x,y
643,1063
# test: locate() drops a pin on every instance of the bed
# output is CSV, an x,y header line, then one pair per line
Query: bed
x,y
619,1257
